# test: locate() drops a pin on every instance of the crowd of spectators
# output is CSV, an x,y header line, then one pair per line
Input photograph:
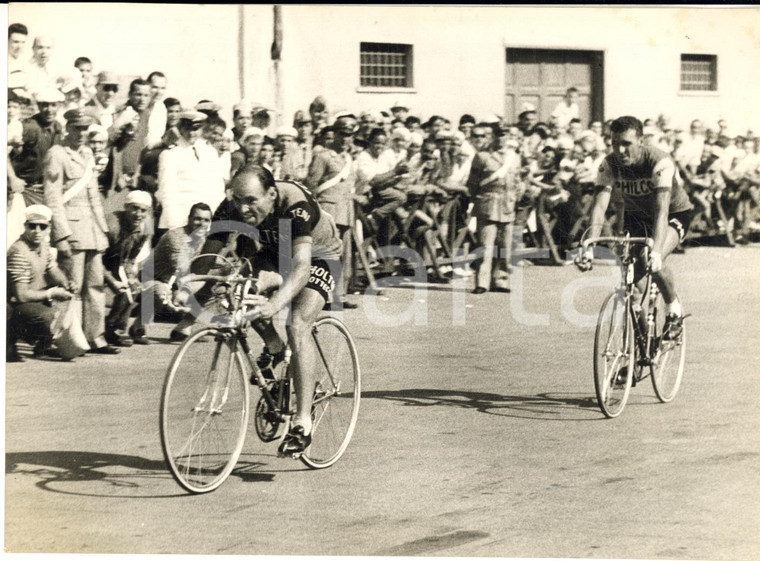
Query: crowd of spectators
x,y
119,181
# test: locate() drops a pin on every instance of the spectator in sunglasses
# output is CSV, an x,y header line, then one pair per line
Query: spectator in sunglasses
x,y
102,106
34,282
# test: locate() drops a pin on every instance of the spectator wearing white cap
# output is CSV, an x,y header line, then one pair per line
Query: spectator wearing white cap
x,y
400,111
40,132
129,248
34,283
242,117
294,165
172,259
188,173
527,119
250,148
79,225
305,139
102,105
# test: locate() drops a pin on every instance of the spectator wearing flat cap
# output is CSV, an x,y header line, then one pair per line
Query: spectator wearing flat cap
x,y
188,173
305,139
34,282
79,224
129,248
331,179
102,105
40,132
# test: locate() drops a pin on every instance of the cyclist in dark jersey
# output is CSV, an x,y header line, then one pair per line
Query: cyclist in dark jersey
x,y
280,227
656,205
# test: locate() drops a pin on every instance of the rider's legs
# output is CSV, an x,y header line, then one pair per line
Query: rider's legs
x,y
304,311
664,278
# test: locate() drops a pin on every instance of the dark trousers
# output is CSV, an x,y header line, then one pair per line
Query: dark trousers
x,y
29,322
118,318
387,201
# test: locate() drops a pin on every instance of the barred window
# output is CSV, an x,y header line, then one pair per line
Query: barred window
x,y
386,65
699,73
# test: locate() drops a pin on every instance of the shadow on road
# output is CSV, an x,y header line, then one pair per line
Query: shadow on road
x,y
57,469
544,406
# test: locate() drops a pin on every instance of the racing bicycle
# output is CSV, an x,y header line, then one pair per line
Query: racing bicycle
x,y
206,397
630,341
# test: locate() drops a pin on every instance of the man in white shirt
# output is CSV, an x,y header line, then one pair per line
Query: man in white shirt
x,y
157,120
693,146
188,173
42,74
567,109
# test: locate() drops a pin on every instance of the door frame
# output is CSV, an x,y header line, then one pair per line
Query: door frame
x,y
598,57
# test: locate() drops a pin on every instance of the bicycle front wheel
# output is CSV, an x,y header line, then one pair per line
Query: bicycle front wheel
x,y
613,355
668,364
337,394
204,411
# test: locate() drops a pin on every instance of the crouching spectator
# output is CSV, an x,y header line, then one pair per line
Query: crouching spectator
x,y
35,281
172,257
129,249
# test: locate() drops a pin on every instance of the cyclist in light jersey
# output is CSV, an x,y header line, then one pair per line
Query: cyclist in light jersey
x,y
656,205
281,228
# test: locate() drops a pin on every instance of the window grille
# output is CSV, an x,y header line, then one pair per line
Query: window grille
x,y
386,65
699,73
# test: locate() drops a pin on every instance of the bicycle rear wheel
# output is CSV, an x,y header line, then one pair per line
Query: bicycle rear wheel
x,y
669,360
337,395
204,411
614,357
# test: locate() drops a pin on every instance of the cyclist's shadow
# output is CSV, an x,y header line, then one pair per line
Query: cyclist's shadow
x,y
545,406
86,473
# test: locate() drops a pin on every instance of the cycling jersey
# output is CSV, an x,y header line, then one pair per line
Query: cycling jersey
x,y
296,214
639,183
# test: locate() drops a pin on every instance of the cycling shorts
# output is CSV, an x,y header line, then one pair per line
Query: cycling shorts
x,y
638,227
322,276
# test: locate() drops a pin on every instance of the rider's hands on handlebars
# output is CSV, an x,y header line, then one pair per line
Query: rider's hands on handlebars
x,y
585,258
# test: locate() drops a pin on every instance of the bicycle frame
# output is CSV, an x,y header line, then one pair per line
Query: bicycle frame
x,y
643,337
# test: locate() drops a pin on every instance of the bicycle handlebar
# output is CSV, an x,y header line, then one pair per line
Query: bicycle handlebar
x,y
263,283
618,239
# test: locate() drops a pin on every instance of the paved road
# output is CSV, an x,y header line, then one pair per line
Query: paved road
x,y
478,436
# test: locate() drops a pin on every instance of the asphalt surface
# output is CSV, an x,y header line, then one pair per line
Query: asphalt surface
x,y
478,435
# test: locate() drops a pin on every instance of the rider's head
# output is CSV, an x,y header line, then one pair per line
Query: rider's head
x,y
627,136
254,193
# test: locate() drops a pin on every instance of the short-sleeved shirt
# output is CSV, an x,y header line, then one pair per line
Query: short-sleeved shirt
x,y
27,265
639,183
296,214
